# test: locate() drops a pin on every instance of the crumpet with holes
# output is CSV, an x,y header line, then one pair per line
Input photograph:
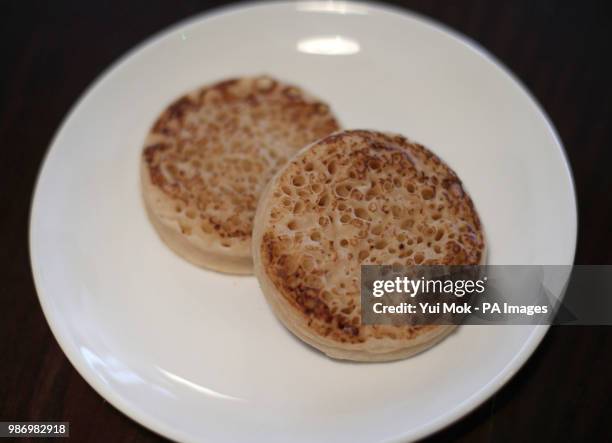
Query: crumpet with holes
x,y
208,157
352,198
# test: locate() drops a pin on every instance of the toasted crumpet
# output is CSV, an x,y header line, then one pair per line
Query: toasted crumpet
x,y
353,198
208,157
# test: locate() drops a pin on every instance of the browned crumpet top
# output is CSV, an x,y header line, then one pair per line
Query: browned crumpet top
x,y
361,197
213,150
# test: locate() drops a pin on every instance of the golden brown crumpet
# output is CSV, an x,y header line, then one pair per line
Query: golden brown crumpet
x,y
208,157
353,198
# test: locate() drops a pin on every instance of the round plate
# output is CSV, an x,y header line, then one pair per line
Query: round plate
x,y
198,356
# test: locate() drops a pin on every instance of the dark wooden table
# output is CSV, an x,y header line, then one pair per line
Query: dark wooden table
x,y
561,50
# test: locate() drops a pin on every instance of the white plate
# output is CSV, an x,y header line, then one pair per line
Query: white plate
x,y
198,356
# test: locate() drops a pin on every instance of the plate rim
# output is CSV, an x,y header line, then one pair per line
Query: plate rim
x,y
453,414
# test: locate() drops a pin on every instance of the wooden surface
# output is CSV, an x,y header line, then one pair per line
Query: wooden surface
x,y
561,50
